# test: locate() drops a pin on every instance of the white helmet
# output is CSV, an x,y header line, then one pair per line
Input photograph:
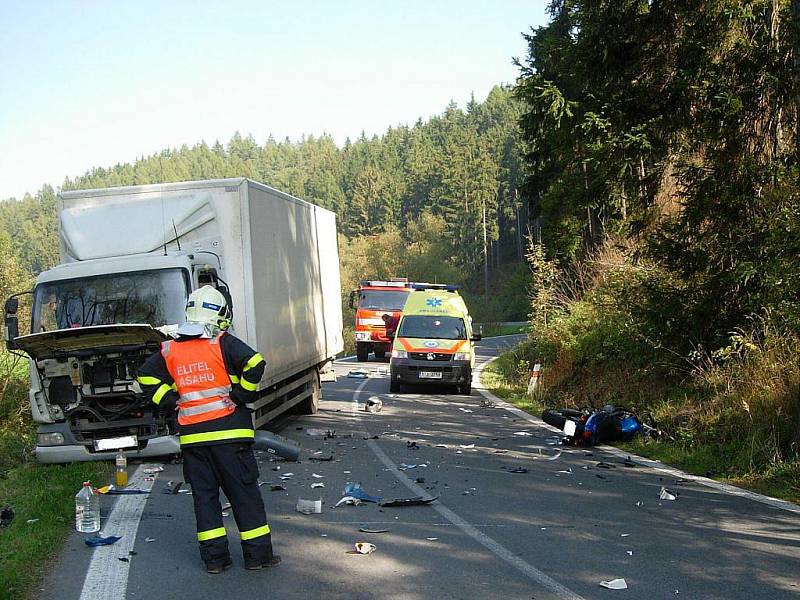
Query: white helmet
x,y
208,306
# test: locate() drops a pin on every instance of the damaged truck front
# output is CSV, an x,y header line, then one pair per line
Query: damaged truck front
x,y
130,257
93,328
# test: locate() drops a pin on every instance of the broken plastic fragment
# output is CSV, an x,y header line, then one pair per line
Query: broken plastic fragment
x,y
416,501
555,456
373,404
432,539
317,485
317,476
366,529
358,374
309,507
666,494
615,584
466,410
277,487
149,539
365,548
518,470
349,500
466,446
101,541
153,470
354,490
523,434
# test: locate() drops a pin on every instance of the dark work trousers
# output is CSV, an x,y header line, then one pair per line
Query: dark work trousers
x,y
233,468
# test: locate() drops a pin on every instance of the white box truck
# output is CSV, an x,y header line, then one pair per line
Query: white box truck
x,y
130,256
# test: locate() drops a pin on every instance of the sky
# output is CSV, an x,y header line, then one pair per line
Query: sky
x,y
91,84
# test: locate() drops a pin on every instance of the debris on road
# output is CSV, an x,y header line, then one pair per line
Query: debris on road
x,y
566,471
309,507
172,488
354,490
518,470
317,485
412,445
317,476
323,433
605,465
321,458
432,539
555,456
666,494
358,374
149,539
466,446
466,410
629,463
347,500
373,404
101,541
277,487
363,548
416,501
6,516
615,584
366,529
153,470
523,434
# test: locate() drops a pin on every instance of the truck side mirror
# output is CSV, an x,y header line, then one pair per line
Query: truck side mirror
x,y
11,323
353,299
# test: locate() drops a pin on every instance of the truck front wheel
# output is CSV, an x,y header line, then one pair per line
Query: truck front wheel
x,y
362,352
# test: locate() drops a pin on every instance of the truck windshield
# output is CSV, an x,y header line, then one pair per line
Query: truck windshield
x,y
382,300
440,328
153,297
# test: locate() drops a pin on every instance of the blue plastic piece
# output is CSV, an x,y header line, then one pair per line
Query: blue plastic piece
x,y
101,541
354,490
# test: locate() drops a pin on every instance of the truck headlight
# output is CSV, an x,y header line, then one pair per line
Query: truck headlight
x,y
461,356
399,354
50,439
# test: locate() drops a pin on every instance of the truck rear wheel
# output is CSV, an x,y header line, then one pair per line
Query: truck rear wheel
x,y
362,352
310,405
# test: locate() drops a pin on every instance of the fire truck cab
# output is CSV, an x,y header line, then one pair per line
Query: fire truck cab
x,y
378,304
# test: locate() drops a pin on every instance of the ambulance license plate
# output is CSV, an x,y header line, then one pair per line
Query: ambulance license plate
x,y
430,374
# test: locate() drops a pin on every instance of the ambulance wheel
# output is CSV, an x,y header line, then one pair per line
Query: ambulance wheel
x,y
380,354
465,389
362,352
394,387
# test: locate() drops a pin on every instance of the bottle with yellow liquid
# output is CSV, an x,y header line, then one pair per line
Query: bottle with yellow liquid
x,y
122,471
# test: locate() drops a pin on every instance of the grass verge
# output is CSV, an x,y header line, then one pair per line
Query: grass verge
x,y
45,495
503,378
41,494
493,329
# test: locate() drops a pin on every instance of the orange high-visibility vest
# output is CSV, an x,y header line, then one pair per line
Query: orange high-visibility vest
x,y
201,379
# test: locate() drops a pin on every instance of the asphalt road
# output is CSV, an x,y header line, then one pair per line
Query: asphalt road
x,y
553,532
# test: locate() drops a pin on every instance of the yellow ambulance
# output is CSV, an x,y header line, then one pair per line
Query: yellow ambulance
x,y
433,342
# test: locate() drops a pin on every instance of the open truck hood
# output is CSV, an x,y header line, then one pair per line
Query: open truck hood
x,y
52,343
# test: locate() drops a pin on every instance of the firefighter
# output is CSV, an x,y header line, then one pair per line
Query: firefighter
x,y
209,375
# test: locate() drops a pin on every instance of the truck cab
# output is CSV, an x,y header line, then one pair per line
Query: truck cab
x,y
377,303
434,342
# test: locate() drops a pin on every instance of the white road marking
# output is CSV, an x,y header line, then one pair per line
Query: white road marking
x,y
653,464
107,576
356,394
487,542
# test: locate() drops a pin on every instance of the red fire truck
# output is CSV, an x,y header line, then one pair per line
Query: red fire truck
x,y
372,300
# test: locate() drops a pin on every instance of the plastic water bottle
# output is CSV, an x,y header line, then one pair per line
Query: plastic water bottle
x,y
87,510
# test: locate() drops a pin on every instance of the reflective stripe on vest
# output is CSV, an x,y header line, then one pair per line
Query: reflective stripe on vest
x,y
201,380
217,436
